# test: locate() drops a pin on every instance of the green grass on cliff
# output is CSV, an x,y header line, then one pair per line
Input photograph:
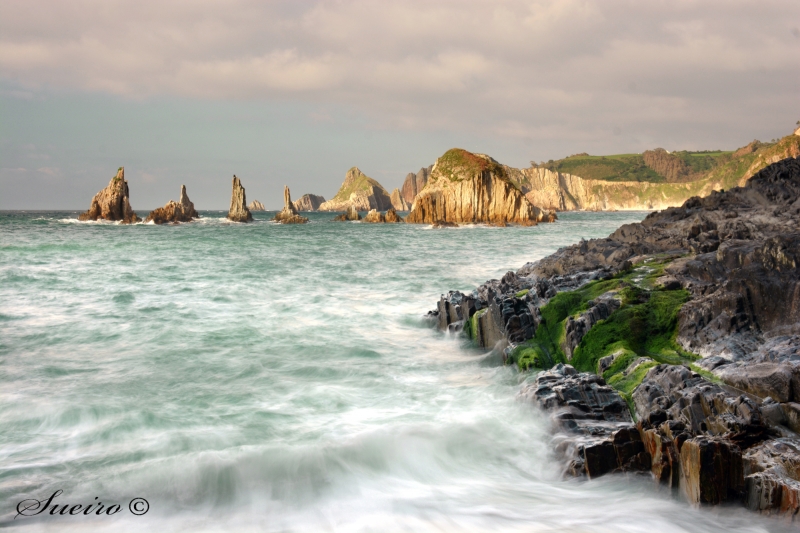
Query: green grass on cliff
x,y
361,182
457,164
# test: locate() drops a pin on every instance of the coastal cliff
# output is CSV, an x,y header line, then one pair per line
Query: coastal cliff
x,y
681,334
470,188
173,212
238,211
112,203
309,202
413,184
360,192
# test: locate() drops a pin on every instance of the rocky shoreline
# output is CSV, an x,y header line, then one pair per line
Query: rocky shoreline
x,y
670,348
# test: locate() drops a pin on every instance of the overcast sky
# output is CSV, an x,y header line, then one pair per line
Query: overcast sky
x,y
297,92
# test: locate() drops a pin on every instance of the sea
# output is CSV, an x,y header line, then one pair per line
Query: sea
x,y
283,378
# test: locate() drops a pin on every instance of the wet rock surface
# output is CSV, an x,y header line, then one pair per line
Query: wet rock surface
x,y
112,203
350,214
174,212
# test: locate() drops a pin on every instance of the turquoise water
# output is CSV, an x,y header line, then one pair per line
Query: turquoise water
x,y
282,378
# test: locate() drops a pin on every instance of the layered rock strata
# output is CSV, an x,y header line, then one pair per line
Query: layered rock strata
x,y
174,212
473,188
255,205
351,214
692,316
112,203
359,191
413,184
238,211
289,214
398,202
309,202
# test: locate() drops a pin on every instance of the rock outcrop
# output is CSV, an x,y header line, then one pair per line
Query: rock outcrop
x,y
289,214
350,215
376,217
359,191
693,317
238,211
472,188
255,205
112,203
413,184
309,202
398,202
173,212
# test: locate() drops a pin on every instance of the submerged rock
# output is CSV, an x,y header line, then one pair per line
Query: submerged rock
x,y
289,214
350,214
173,212
471,188
255,205
112,203
238,211
309,202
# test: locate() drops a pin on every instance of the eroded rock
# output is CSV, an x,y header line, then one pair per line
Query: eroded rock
x,y
112,203
289,214
173,212
238,211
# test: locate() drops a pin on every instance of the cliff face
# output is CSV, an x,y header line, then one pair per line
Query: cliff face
x,y
359,191
182,211
309,202
255,205
469,188
289,214
238,211
413,184
398,202
112,203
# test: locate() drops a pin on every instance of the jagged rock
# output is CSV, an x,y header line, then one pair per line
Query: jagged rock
x,y
289,215
374,216
182,211
414,183
772,477
359,191
112,203
765,380
238,211
255,205
392,217
711,471
398,202
470,188
576,328
309,202
350,214
444,224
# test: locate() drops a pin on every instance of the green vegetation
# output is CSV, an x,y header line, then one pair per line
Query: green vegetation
x,y
521,294
457,164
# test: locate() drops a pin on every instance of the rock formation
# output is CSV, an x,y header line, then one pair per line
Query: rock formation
x,y
349,215
392,217
359,191
309,202
112,203
471,188
238,211
173,212
413,184
289,215
375,216
398,202
692,317
255,205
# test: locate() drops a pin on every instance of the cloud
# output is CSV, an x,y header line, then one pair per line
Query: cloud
x,y
516,68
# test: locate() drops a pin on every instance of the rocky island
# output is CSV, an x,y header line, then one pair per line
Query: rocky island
x,y
672,347
360,192
255,205
309,202
174,212
238,211
472,188
289,214
112,203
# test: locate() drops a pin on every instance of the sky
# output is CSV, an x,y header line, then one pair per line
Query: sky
x,y
297,92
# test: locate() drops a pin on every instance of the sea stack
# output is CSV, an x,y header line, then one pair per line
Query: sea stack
x,y
182,211
255,205
398,202
238,211
350,214
472,188
309,202
112,203
289,214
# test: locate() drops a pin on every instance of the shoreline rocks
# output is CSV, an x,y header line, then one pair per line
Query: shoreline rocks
x,y
238,211
289,215
112,203
174,212
351,214
376,217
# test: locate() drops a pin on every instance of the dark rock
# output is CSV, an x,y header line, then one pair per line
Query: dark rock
x,y
711,471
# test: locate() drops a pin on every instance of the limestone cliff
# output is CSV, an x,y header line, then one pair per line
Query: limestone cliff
x,y
181,211
468,188
398,202
359,191
413,184
309,202
255,205
112,203
289,214
238,211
